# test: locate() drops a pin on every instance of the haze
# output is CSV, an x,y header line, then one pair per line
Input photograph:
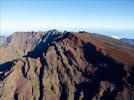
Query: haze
x,y
112,18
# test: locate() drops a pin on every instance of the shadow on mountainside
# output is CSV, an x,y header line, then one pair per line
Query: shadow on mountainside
x,y
5,67
130,79
106,68
38,52
42,46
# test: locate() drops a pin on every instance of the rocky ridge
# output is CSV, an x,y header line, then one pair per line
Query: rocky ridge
x,y
70,66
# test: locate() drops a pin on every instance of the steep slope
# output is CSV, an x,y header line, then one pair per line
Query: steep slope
x,y
71,66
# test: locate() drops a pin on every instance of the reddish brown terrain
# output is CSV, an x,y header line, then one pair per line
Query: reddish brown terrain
x,y
66,66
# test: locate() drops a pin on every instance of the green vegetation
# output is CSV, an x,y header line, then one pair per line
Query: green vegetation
x,y
101,92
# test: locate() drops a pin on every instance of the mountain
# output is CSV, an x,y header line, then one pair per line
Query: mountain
x,y
2,39
19,43
68,66
128,41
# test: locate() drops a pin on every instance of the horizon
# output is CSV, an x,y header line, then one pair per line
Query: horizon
x,y
111,18
101,32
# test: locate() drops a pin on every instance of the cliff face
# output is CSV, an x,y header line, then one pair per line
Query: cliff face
x,y
70,66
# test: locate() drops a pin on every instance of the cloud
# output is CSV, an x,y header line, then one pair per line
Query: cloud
x,y
116,37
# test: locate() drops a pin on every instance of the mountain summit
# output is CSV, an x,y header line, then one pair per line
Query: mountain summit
x,y
66,66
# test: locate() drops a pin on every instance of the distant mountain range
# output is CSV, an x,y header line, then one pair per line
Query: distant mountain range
x,y
53,65
128,41
2,39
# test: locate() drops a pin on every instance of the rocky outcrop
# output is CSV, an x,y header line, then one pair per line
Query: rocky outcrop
x,y
71,66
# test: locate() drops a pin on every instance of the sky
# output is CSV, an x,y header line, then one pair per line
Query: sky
x,y
109,17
